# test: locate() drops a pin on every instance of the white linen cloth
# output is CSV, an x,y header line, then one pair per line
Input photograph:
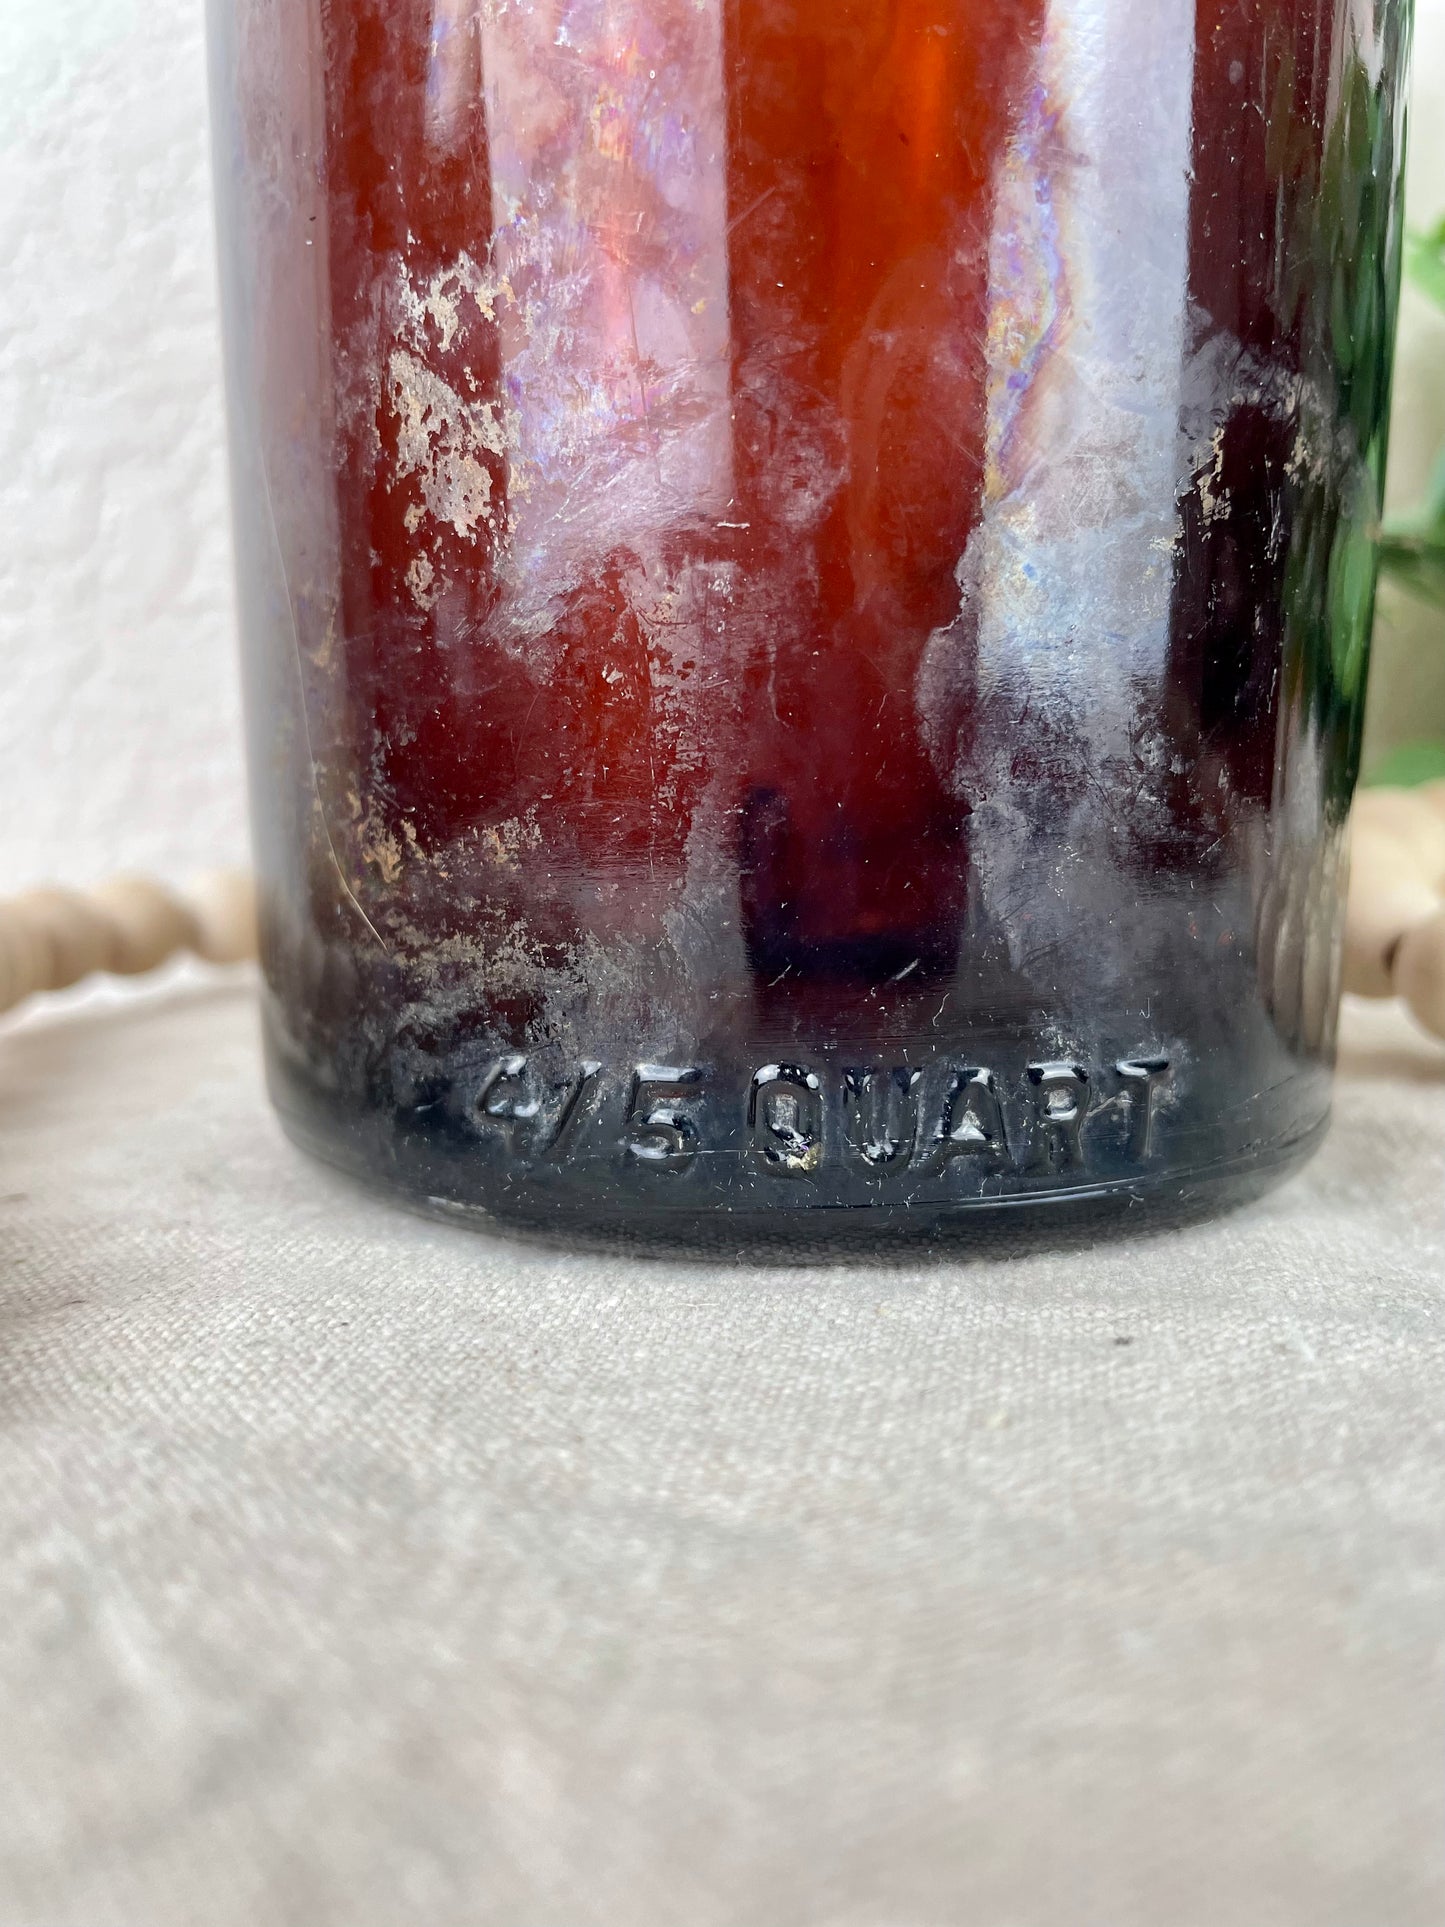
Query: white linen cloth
x,y
360,1571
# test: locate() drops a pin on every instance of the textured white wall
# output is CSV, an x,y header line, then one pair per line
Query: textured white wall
x,y
119,731
119,711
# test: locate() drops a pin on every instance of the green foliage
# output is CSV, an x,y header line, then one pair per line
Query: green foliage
x,y
1412,547
1410,765
1425,262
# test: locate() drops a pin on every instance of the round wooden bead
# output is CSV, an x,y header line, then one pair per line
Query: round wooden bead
x,y
1420,972
22,960
148,924
1409,818
72,938
1385,904
224,906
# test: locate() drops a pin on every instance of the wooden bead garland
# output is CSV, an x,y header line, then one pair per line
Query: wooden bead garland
x,y
1394,929
1395,924
50,939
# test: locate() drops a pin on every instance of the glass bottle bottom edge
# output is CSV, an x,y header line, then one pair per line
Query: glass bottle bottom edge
x,y
796,1233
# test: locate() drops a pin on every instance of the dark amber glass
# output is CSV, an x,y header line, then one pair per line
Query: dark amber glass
x,y
807,569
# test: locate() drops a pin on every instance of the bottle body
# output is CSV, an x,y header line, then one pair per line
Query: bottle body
x,y
807,574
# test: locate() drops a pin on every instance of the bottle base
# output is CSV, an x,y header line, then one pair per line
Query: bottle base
x,y
796,1233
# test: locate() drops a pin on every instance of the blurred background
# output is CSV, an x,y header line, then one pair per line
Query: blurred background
x,y
119,724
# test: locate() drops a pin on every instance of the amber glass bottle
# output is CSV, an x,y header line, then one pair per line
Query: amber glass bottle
x,y
807,569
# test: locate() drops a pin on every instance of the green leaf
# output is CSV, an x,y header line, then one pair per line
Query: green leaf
x,y
1412,547
1425,262
1416,562
1408,766
1434,511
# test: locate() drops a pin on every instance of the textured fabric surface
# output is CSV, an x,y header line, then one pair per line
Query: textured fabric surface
x,y
362,1571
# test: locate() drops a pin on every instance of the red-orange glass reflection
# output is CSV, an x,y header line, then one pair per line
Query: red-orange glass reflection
x,y
862,140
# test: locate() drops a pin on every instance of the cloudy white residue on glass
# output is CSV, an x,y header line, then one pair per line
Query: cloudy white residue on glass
x,y
1088,279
